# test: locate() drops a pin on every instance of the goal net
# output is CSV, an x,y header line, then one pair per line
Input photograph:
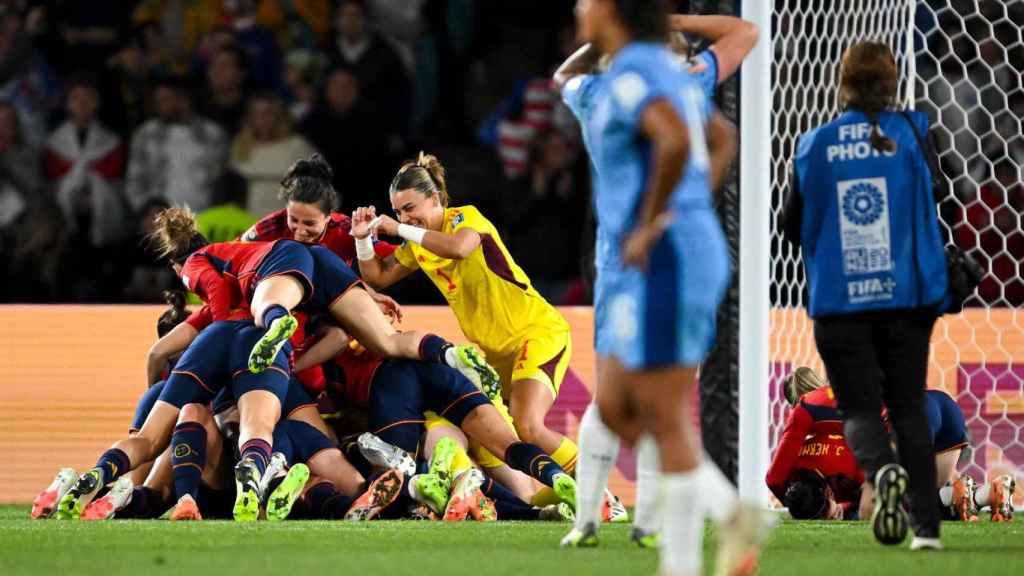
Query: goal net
x,y
957,59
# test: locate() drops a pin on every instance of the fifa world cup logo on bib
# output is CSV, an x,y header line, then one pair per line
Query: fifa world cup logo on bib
x,y
864,225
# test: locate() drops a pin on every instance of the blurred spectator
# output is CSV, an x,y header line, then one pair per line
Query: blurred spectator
x,y
298,24
521,117
227,219
264,150
303,69
212,42
383,79
176,156
223,99
258,43
181,23
544,208
31,236
85,161
26,81
347,131
150,274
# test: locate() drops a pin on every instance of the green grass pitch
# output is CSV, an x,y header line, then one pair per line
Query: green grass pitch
x,y
157,547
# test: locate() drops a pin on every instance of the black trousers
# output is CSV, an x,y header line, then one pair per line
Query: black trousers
x,y
880,356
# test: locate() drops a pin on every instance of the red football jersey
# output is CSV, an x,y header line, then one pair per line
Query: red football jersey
x,y
829,455
815,414
357,368
224,274
337,236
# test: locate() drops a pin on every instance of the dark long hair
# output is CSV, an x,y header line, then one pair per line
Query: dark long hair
x,y
868,80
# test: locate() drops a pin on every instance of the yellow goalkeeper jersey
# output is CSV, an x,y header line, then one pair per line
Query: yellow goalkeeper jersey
x,y
493,300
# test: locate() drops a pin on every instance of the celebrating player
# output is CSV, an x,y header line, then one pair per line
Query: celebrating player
x,y
523,337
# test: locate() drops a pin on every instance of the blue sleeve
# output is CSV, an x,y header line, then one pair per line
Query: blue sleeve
x,y
708,77
578,95
636,85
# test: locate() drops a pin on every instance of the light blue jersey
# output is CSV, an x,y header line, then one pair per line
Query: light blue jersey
x,y
663,315
579,95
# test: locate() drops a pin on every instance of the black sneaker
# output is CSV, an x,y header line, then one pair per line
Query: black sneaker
x,y
890,522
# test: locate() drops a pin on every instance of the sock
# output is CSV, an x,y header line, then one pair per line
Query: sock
x,y
257,450
566,454
433,348
648,474
325,502
599,447
145,503
682,530
188,458
983,496
272,313
720,495
546,496
946,495
508,505
530,459
111,465
461,461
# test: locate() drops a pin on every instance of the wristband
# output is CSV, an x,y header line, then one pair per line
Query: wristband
x,y
364,249
412,233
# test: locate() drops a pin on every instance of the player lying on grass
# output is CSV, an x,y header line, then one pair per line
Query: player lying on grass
x,y
815,474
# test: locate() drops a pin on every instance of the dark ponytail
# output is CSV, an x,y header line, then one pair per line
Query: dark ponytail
x,y
174,315
868,80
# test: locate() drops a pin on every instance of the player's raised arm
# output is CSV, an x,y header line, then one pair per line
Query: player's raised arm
x,y
163,349
579,63
731,38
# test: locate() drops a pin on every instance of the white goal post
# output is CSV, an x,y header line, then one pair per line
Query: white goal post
x,y
960,62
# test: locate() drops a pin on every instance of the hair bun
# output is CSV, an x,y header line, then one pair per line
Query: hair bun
x,y
313,167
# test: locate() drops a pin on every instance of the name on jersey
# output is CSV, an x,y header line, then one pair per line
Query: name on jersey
x,y
821,449
854,144
870,290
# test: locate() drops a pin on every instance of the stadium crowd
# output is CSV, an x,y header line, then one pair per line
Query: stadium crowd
x,y
111,111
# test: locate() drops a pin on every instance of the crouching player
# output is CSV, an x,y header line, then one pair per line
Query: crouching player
x,y
815,416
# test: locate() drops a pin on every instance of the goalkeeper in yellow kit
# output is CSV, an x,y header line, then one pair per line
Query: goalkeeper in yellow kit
x,y
523,336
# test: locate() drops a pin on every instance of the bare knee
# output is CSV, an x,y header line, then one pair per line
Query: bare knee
x,y
194,413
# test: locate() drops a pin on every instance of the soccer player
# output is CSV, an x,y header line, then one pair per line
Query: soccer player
x,y
664,271
815,415
309,217
272,278
579,79
217,358
398,392
523,336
